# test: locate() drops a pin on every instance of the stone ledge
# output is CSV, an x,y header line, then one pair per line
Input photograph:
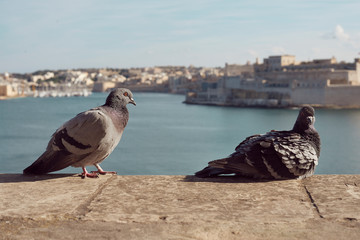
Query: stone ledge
x,y
178,207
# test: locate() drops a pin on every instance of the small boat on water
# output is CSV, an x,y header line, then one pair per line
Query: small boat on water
x,y
60,93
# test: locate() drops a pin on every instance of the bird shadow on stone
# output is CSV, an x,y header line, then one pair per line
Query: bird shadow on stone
x,y
15,177
226,179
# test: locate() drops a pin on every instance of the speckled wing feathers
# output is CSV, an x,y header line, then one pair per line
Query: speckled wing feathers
x,y
296,153
278,155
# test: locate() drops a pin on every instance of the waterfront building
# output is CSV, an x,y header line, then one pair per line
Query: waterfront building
x,y
179,84
276,63
103,86
11,87
246,70
280,81
8,90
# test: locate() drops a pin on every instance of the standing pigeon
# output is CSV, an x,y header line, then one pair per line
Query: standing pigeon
x,y
88,138
275,155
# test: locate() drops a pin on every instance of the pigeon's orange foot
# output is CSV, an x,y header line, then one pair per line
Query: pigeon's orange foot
x,y
104,172
90,175
85,174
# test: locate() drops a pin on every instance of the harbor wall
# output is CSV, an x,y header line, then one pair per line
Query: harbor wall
x,y
235,91
343,95
63,206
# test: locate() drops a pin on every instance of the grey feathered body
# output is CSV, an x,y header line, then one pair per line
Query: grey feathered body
x,y
290,154
84,140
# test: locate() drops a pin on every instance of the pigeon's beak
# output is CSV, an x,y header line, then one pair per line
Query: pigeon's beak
x,y
132,101
311,120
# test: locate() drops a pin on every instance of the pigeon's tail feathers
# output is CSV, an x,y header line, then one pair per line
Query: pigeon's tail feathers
x,y
237,165
211,172
49,161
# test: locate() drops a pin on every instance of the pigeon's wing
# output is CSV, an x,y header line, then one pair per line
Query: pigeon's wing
x,y
279,155
51,161
72,142
297,154
247,142
82,134
247,160
244,161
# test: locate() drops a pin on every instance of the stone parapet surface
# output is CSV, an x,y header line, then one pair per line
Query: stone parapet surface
x,y
62,206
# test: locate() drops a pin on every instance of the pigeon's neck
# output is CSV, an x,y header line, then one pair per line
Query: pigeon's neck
x,y
119,116
116,106
314,139
299,127
309,133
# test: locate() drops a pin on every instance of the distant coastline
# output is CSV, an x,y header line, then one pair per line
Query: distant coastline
x,y
269,106
13,97
277,82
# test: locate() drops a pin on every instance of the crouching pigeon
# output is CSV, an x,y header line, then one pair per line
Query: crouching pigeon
x,y
88,138
275,155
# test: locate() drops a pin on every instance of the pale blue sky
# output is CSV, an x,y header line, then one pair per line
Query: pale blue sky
x,y
47,34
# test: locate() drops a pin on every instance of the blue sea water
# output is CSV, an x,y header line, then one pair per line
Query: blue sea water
x,y
165,136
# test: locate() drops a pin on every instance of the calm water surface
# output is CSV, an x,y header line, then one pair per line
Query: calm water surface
x,y
165,136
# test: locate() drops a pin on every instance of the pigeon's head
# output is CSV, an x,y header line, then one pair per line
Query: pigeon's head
x,y
120,97
305,120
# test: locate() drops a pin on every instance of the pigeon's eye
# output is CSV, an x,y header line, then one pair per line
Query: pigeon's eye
x,y
126,94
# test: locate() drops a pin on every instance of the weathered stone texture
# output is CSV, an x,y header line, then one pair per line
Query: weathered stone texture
x,y
178,207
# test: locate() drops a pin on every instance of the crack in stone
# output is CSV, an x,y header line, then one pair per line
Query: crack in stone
x,y
313,202
83,208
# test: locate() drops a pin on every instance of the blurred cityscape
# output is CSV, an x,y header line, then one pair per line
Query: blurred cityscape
x,y
277,81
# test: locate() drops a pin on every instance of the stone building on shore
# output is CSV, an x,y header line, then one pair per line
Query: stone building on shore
x,y
280,81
